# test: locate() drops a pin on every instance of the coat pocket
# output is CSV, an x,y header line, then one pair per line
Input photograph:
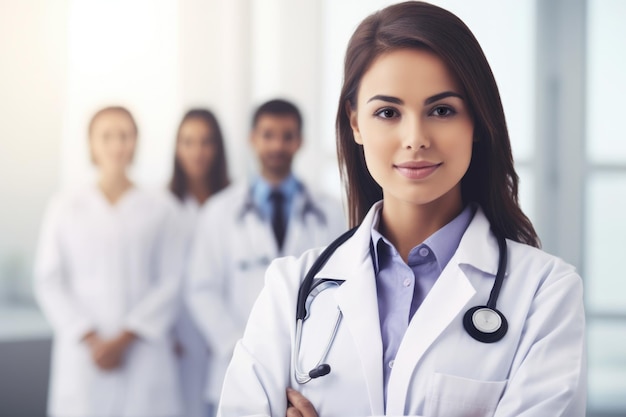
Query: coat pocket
x,y
454,396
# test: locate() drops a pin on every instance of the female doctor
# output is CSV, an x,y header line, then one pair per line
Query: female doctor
x,y
200,171
404,323
107,278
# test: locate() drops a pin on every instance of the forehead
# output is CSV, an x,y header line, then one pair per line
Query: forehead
x,y
195,123
411,73
277,121
112,118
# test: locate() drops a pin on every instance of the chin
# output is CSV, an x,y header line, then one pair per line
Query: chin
x,y
115,168
279,171
425,196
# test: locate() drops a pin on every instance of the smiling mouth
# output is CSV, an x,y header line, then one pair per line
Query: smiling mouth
x,y
417,170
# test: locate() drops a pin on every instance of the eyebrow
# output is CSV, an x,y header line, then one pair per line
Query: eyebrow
x,y
390,99
429,100
443,95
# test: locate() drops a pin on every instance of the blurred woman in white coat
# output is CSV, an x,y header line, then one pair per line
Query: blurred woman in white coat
x,y
200,170
438,303
107,279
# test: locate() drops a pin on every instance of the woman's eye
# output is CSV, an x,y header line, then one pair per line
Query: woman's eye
x,y
443,111
387,113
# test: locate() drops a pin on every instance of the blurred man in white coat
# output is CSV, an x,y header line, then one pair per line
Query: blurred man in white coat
x,y
246,226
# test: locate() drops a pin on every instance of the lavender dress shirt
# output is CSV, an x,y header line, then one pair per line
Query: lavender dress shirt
x,y
403,287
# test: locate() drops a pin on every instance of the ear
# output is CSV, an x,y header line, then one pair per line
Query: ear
x,y
352,115
299,140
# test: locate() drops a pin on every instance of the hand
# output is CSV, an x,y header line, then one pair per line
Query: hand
x,y
109,354
179,350
298,405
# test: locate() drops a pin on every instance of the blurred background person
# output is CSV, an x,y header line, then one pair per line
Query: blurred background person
x,y
106,279
242,229
200,170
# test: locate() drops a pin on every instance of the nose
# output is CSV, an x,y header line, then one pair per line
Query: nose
x,y
277,144
415,135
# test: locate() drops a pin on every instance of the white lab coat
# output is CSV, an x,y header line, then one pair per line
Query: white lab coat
x,y
195,355
108,268
232,248
537,370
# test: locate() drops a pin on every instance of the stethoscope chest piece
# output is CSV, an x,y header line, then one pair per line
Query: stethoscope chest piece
x,y
485,324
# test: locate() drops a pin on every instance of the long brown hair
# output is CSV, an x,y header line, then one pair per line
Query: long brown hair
x,y
217,176
490,180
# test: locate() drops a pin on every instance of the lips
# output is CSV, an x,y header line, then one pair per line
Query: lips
x,y
417,170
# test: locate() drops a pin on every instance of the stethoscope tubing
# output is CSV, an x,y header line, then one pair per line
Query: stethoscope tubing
x,y
309,207
308,286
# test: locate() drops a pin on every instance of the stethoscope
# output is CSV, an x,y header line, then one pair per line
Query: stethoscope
x,y
309,207
484,323
249,206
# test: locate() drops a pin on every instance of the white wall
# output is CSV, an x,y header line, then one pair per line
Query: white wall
x,y
122,52
32,91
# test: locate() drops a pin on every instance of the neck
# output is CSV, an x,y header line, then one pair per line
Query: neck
x,y
274,178
114,186
407,224
198,190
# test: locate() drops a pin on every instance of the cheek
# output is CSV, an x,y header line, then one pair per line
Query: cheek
x,y
378,142
378,157
294,145
130,147
258,144
208,154
98,148
460,146
182,153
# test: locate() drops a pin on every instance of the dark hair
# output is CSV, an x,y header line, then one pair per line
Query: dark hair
x,y
278,107
491,180
111,109
217,176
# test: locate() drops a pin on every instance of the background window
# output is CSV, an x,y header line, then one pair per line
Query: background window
x,y
605,208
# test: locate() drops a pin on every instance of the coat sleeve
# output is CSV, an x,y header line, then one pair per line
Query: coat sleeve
x,y
52,281
259,372
207,285
154,315
548,376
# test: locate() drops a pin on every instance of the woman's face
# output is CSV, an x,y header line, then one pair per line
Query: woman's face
x,y
195,148
415,127
113,140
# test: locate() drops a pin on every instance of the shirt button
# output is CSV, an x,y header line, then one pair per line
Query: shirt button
x,y
391,362
407,282
424,252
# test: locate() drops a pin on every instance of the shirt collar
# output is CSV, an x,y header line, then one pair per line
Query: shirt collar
x,y
261,189
443,243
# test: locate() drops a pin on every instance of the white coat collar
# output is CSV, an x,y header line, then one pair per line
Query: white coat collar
x,y
478,248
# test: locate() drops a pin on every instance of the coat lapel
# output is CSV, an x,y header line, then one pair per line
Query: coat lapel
x,y
446,301
358,302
